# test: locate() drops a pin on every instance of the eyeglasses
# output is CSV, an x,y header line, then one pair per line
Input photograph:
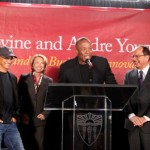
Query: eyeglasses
x,y
136,56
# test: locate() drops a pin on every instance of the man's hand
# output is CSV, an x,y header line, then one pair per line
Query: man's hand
x,y
13,120
138,121
1,121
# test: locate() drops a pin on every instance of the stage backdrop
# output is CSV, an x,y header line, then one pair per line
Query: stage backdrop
x,y
53,29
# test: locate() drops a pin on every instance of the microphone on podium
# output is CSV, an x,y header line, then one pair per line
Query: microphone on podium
x,y
89,63
90,70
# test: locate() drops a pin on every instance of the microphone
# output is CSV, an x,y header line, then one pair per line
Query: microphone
x,y
87,61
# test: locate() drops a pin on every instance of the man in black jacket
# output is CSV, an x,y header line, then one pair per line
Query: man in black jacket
x,y
137,110
8,102
86,68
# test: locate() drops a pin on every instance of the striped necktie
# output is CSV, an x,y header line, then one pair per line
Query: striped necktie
x,y
140,78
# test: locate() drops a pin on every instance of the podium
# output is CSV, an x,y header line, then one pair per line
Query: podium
x,y
86,113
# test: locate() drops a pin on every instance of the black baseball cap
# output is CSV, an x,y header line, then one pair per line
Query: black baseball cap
x,y
6,52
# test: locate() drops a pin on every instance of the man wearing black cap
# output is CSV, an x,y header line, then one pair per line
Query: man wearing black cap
x,y
8,102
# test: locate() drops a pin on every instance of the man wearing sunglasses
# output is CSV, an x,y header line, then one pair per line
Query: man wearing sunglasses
x,y
8,102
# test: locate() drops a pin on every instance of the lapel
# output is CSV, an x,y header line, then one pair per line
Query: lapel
x,y
30,82
14,85
1,89
42,85
147,78
77,72
134,77
146,81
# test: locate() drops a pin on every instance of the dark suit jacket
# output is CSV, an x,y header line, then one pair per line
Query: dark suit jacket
x,y
101,72
15,111
139,103
32,103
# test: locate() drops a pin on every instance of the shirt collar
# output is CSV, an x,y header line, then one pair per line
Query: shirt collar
x,y
145,70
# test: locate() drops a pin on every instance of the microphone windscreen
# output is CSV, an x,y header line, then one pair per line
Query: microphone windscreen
x,y
89,63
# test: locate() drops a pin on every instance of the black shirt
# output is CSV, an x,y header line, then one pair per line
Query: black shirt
x,y
86,73
7,97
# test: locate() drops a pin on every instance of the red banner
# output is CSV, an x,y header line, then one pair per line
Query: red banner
x,y
53,29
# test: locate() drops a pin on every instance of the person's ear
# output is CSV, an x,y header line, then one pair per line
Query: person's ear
x,y
148,57
76,51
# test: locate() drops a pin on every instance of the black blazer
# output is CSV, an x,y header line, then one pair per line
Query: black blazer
x,y
139,103
32,103
101,72
15,111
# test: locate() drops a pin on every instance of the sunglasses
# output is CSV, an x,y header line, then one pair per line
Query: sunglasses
x,y
8,58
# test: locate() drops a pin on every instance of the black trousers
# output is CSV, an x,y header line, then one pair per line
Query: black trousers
x,y
32,137
138,140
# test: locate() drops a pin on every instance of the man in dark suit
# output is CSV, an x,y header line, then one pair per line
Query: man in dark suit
x,y
137,110
86,68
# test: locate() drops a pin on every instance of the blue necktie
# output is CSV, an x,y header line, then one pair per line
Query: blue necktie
x,y
140,78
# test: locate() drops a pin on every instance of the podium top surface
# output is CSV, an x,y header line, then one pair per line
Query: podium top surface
x,y
118,94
